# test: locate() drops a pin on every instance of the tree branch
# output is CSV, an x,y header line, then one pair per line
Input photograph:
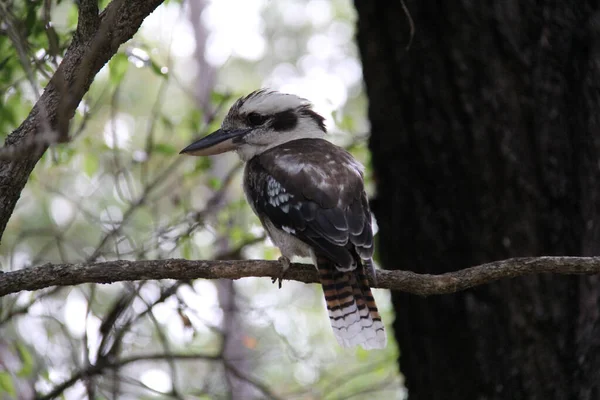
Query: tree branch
x,y
88,19
47,275
97,369
97,39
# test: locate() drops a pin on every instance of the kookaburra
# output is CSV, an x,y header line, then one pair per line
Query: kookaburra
x,y
309,196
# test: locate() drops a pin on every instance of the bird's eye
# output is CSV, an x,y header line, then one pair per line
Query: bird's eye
x,y
255,119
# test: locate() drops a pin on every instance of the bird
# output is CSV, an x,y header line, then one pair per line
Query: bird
x,y
309,196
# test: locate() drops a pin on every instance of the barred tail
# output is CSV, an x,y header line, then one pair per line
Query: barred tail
x,y
352,310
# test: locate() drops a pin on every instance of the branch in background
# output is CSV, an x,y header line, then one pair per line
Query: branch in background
x,y
421,284
97,40
98,369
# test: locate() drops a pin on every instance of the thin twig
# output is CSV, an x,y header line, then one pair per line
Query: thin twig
x,y
97,369
411,24
254,382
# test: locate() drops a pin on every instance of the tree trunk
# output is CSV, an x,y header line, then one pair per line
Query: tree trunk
x,y
486,145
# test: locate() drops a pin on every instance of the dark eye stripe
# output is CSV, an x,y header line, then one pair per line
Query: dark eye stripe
x,y
285,120
255,119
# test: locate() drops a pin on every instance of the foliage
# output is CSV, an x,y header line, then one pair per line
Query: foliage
x,y
119,190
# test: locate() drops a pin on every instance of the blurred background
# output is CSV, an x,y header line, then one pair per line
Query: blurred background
x,y
119,190
482,144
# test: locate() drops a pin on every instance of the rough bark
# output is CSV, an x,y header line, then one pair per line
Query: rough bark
x,y
486,144
96,40
47,275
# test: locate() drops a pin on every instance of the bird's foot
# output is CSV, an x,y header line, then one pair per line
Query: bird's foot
x,y
285,264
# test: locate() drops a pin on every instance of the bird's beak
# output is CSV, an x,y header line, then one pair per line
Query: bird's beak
x,y
217,142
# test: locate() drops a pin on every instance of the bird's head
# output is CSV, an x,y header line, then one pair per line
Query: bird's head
x,y
260,121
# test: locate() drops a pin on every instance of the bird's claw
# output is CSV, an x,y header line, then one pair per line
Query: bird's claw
x,y
278,279
285,264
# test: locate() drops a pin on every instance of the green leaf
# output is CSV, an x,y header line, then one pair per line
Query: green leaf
x,y
237,234
203,164
26,359
166,149
117,67
72,16
166,122
194,119
6,384
186,250
157,69
4,61
214,183
218,97
90,165
271,253
31,20
344,121
362,355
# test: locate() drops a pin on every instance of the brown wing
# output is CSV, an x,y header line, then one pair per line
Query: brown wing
x,y
314,191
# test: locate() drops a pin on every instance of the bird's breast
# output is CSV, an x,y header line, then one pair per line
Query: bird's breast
x,y
255,183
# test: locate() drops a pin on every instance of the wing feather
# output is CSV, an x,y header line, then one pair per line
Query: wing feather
x,y
315,190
